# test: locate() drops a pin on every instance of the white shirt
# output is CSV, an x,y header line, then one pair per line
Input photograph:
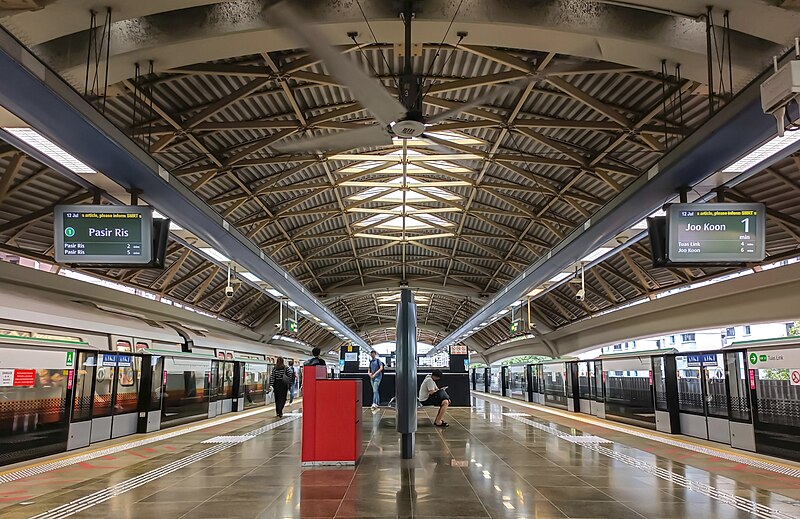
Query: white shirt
x,y
425,389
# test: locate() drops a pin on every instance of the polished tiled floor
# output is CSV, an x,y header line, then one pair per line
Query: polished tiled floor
x,y
489,463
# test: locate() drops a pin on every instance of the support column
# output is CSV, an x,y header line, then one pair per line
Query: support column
x,y
406,378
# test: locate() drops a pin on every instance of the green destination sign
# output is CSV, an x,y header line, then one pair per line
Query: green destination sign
x,y
87,234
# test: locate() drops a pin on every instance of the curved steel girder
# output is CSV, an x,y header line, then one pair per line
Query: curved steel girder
x,y
768,22
611,33
470,342
423,286
696,309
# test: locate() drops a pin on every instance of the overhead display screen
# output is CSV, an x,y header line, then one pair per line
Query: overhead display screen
x,y
102,234
716,233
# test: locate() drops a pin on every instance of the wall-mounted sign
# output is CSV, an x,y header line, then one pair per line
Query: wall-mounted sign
x,y
794,377
777,359
109,359
516,326
24,377
458,349
290,325
716,233
124,360
101,234
6,377
70,358
351,357
707,359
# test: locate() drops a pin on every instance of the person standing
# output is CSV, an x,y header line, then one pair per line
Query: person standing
x,y
293,387
315,360
280,380
375,371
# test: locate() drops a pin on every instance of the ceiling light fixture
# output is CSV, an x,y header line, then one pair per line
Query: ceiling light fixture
x,y
274,293
597,253
559,277
250,277
213,254
41,143
172,225
763,152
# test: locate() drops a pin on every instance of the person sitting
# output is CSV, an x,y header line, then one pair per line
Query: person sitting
x,y
315,360
431,394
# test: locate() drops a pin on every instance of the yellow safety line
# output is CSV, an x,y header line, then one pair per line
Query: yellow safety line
x,y
107,445
580,417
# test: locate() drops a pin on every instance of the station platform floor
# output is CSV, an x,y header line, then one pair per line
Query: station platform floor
x,y
498,459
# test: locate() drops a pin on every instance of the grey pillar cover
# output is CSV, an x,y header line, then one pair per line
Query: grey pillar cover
x,y
406,379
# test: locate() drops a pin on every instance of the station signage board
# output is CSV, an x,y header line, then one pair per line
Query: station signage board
x,y
707,359
101,234
716,233
458,349
774,359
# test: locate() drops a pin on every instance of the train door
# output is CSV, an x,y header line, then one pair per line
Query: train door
x,y
226,374
599,403
540,384
573,396
774,381
585,376
80,427
482,380
238,385
702,396
739,408
151,393
496,380
116,396
505,381
35,391
212,389
517,382
665,392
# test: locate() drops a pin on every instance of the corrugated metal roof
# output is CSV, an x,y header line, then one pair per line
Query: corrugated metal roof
x,y
511,212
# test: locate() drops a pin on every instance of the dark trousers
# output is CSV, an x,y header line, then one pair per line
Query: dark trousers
x,y
280,397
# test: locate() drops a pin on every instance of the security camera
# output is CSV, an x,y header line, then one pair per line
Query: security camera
x,y
228,291
580,295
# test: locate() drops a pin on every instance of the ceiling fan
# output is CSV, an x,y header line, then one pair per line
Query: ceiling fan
x,y
397,117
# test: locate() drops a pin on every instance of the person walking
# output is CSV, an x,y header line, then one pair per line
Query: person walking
x,y
280,380
375,371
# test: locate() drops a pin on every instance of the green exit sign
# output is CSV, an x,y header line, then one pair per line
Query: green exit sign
x,y
290,325
516,326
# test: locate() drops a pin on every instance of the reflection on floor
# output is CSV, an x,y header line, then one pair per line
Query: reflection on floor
x,y
492,461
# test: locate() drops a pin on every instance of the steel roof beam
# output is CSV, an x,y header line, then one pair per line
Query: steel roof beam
x,y
741,125
46,102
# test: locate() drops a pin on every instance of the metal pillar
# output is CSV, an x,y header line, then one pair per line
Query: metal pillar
x,y
406,378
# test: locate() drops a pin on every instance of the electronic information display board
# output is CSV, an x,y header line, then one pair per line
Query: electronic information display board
x,y
102,234
716,233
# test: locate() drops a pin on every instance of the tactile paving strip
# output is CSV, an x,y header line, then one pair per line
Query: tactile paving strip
x,y
27,472
741,503
101,496
726,455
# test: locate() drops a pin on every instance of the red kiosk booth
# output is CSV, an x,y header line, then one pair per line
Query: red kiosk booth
x,y
331,419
